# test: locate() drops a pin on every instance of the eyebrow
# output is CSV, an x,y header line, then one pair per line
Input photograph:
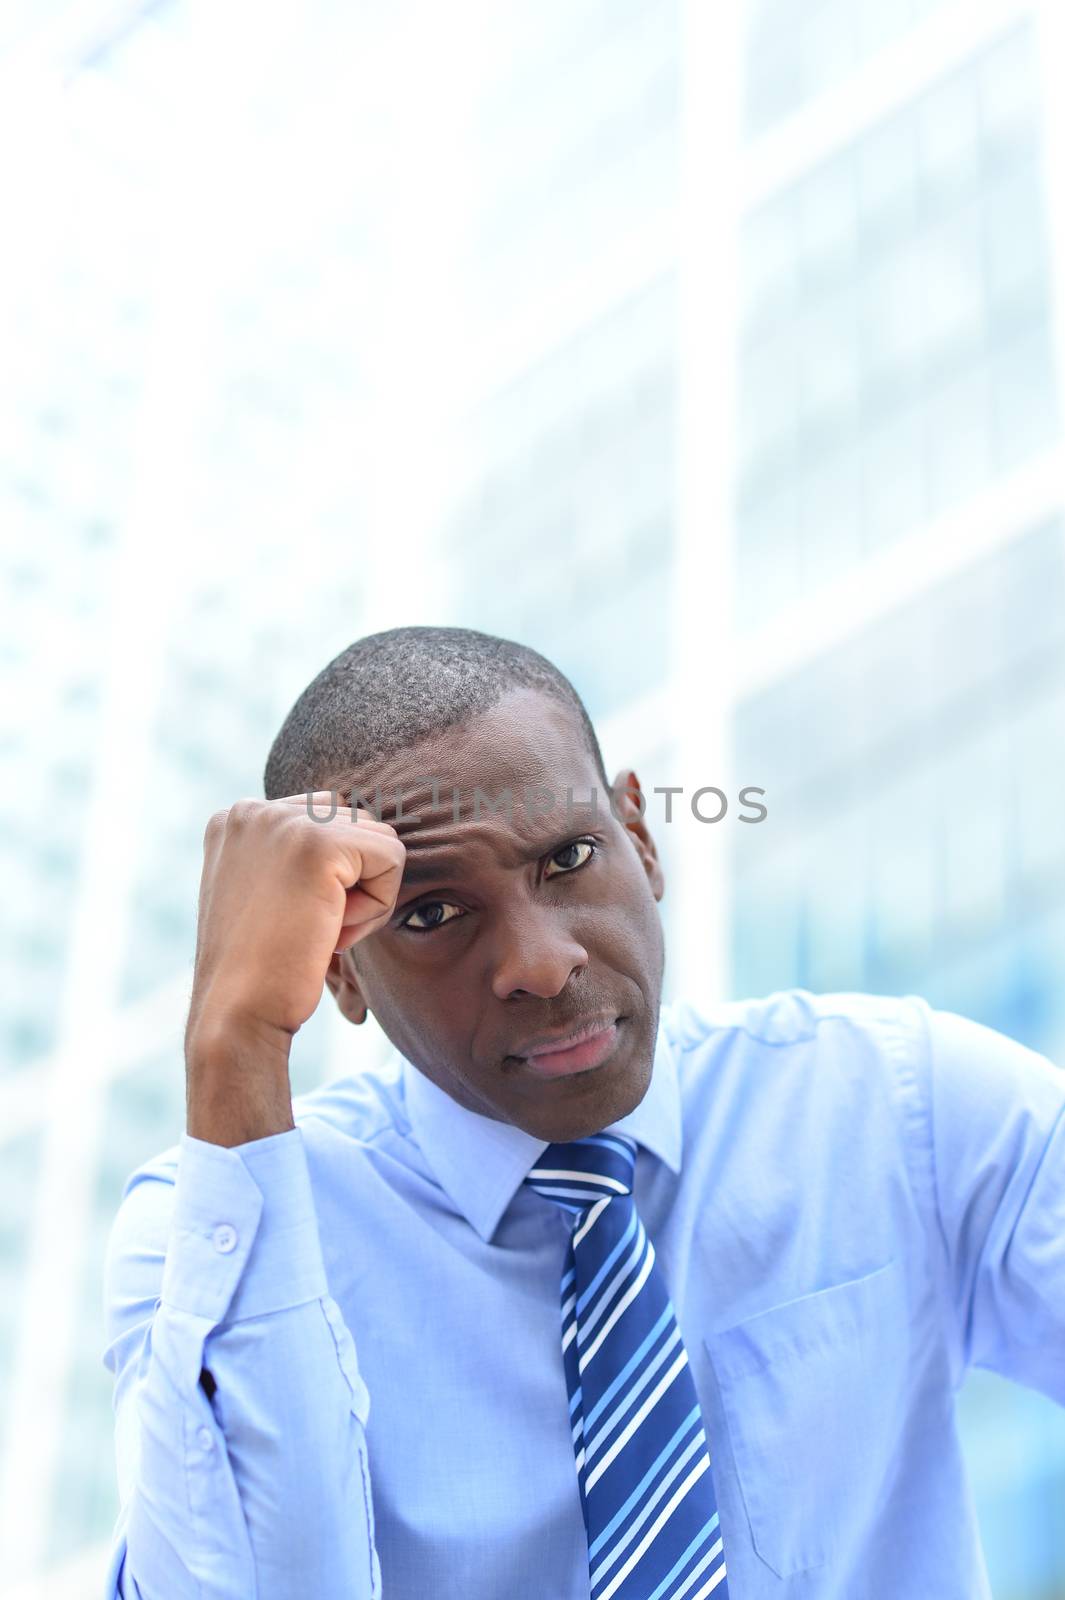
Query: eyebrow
x,y
417,870
425,871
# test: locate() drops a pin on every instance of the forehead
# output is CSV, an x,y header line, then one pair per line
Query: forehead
x,y
527,737
516,769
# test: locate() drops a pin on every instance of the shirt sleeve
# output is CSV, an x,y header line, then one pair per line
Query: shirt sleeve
x,y
240,1412
991,1118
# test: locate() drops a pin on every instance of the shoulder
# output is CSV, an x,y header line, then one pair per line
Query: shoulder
x,y
838,1057
789,1018
361,1106
798,1086
851,1054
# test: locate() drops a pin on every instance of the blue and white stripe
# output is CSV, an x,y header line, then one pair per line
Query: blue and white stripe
x,y
643,1463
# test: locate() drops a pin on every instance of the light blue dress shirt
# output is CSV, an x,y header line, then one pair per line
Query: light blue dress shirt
x,y
852,1198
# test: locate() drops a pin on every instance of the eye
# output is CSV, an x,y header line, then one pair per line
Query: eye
x,y
587,845
426,910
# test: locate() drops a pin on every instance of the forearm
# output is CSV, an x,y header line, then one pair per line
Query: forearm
x,y
240,1411
294,1434
261,1491
237,1079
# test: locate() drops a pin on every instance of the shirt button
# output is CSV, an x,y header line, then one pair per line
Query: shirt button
x,y
225,1238
205,1439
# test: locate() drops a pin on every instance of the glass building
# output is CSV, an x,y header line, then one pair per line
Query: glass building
x,y
720,360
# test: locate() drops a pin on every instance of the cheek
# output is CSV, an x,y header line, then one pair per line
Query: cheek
x,y
417,1026
390,989
625,926
633,886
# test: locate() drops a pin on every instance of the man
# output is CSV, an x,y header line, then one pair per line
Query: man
x,y
582,1294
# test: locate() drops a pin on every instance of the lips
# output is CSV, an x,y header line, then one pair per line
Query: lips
x,y
563,1038
590,1047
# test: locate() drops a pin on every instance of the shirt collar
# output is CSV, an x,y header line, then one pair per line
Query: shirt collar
x,y
481,1163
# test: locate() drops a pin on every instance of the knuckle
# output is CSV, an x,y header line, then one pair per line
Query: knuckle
x,y
215,824
242,812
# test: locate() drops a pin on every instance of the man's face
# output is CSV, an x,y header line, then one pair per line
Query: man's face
x,y
517,924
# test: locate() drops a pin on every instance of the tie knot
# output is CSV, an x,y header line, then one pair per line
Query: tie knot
x,y
577,1174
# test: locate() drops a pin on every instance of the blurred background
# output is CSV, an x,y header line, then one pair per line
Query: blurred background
x,y
715,350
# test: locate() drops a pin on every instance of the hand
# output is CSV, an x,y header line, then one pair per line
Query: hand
x,y
280,893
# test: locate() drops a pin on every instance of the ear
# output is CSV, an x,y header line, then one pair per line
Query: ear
x,y
629,806
344,985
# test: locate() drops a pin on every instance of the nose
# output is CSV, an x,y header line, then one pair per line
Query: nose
x,y
535,954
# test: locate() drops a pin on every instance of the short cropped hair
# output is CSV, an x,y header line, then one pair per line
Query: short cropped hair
x,y
389,690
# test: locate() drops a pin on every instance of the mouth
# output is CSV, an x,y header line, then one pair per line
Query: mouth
x,y
579,1051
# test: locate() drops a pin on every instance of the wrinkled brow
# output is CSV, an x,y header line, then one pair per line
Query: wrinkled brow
x,y
435,864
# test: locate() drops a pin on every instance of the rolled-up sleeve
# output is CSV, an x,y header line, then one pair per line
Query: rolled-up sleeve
x,y
239,1408
991,1115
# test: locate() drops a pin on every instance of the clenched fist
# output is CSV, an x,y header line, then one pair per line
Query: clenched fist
x,y
280,893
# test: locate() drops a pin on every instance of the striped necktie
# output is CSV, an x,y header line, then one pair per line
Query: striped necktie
x,y
643,1466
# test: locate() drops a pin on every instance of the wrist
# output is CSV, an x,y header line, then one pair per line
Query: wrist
x,y
237,1082
219,1033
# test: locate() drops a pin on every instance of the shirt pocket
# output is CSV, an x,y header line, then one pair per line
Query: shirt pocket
x,y
811,1392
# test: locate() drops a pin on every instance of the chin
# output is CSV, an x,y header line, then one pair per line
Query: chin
x,y
607,1101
